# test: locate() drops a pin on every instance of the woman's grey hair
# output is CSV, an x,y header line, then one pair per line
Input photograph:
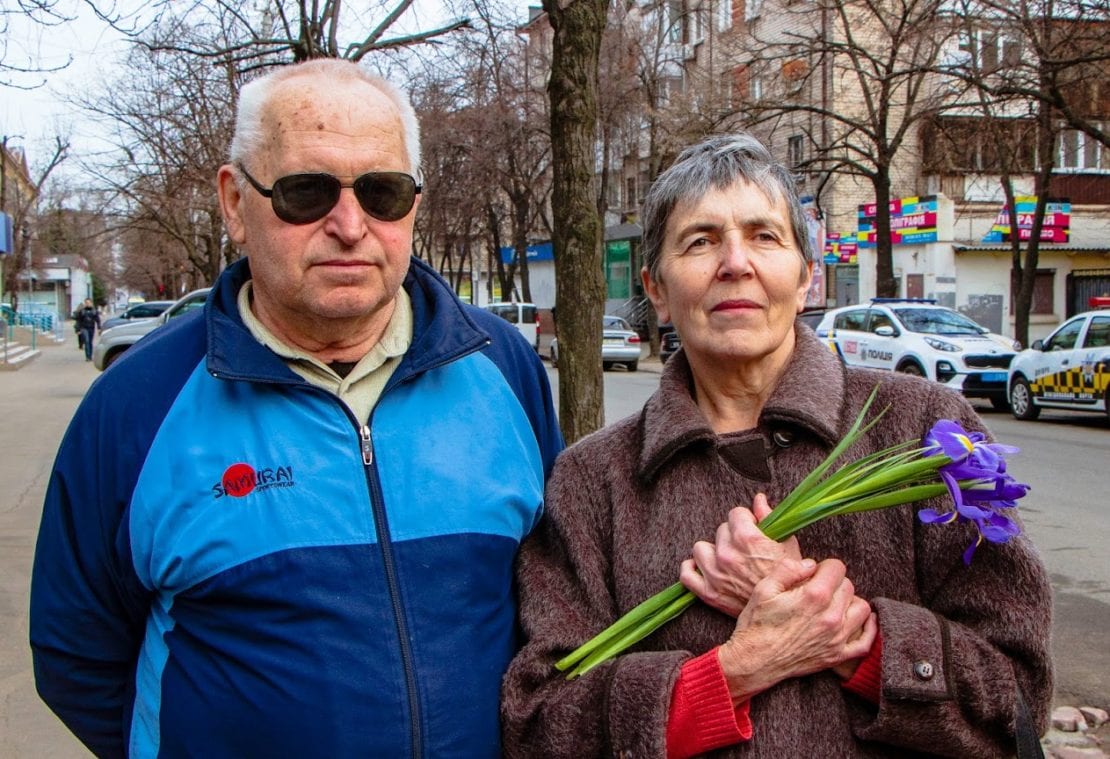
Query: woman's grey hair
x,y
717,163
255,96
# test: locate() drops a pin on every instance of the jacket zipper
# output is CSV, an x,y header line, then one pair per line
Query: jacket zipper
x,y
377,504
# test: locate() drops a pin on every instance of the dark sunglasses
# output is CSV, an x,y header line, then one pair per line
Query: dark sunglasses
x,y
305,198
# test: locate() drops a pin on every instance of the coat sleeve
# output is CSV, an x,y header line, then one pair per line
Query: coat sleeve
x,y
952,664
87,608
563,572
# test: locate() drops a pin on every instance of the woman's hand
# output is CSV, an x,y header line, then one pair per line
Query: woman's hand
x,y
802,618
723,573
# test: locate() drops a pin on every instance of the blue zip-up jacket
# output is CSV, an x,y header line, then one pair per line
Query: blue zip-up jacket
x,y
230,566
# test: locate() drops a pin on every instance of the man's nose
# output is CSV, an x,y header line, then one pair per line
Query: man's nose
x,y
347,220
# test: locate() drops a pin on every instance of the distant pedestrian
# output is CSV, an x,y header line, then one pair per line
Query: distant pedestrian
x,y
88,321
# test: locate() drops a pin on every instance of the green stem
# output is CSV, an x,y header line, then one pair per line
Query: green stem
x,y
634,617
645,628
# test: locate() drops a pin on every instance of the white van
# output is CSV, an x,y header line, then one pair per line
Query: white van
x,y
524,316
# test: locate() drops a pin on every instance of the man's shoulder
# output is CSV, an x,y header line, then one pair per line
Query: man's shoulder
x,y
161,360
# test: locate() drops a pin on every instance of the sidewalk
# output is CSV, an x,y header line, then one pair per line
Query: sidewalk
x,y
36,403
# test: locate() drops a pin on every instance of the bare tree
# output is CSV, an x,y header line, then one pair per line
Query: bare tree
x,y
277,31
572,88
171,119
857,79
1064,62
1036,70
20,69
62,230
22,207
486,155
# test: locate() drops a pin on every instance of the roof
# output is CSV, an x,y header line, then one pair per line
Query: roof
x,y
627,231
1004,247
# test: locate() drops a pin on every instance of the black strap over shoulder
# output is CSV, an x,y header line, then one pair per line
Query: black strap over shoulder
x,y
1028,741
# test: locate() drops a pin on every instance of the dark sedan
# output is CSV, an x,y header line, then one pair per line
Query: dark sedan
x,y
145,310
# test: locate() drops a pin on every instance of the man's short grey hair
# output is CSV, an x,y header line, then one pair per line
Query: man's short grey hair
x,y
249,138
717,163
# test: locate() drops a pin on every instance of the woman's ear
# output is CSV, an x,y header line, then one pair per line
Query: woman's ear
x,y
657,294
803,288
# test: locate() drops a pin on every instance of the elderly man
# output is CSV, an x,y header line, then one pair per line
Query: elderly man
x,y
287,528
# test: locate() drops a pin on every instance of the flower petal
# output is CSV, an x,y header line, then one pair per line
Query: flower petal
x,y
971,549
932,516
1000,529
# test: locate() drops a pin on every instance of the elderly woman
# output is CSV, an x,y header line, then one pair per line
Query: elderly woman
x,y
879,642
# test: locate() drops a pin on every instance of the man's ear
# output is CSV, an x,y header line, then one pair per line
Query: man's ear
x,y
231,204
656,293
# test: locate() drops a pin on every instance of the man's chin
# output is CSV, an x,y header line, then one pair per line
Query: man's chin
x,y
338,306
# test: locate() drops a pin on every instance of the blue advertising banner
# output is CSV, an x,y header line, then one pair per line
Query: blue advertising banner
x,y
543,251
7,239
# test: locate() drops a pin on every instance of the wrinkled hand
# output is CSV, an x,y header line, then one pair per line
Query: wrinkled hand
x,y
723,573
804,617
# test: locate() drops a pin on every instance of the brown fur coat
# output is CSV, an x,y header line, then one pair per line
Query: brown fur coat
x,y
625,506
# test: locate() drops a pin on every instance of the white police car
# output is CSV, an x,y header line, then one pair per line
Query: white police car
x,y
1069,369
916,336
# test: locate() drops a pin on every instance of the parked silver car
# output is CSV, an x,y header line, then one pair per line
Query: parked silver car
x,y
111,343
146,310
620,344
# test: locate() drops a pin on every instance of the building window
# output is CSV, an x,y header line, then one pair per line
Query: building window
x,y
1043,302
795,150
752,9
1079,151
727,81
697,24
724,15
756,87
673,32
988,50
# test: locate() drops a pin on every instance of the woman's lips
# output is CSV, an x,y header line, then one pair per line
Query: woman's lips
x,y
736,305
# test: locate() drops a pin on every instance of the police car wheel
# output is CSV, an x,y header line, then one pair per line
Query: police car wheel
x,y
1021,401
912,368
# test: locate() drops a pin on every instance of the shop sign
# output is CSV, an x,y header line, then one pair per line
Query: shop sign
x,y
912,221
1056,227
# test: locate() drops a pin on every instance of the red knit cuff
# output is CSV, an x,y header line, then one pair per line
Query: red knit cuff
x,y
702,717
867,681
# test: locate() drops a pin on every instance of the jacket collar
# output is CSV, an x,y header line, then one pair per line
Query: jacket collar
x,y
442,329
809,398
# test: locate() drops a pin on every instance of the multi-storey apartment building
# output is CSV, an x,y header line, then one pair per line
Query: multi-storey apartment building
x,y
840,93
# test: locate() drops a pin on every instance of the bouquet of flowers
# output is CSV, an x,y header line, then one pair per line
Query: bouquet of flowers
x,y
952,460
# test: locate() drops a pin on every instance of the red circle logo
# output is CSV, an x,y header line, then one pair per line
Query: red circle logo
x,y
239,480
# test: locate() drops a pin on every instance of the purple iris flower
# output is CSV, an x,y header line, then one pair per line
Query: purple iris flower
x,y
982,463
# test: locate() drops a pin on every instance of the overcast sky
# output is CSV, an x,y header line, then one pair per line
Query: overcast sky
x,y
30,119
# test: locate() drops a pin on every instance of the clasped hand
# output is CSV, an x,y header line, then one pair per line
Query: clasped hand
x,y
794,617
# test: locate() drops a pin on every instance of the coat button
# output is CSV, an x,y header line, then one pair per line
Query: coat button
x,y
923,670
783,438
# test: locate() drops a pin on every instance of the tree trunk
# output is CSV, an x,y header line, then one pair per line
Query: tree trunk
x,y
886,286
522,208
579,281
